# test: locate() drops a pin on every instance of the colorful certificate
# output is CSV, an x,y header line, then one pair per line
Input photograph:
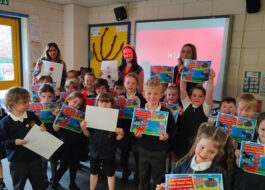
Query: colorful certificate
x,y
149,122
69,118
252,157
163,74
241,129
126,107
174,108
44,111
35,93
196,71
194,182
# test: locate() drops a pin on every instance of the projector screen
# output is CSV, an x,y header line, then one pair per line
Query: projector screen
x,y
160,42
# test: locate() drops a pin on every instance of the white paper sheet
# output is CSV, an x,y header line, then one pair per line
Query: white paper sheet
x,y
109,71
54,70
42,142
101,118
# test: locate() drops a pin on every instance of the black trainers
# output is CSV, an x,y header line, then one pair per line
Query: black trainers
x,y
125,175
73,186
2,185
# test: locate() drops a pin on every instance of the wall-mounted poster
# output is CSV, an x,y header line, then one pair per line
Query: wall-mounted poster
x,y
262,88
106,42
251,82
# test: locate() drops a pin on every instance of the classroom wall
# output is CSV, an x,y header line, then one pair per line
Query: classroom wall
x,y
68,26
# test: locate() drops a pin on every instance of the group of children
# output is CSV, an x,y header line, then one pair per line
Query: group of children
x,y
195,144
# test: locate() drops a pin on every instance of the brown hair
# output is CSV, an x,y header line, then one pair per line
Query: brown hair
x,y
193,49
152,84
45,77
105,97
228,100
14,95
225,155
74,82
249,100
261,117
47,87
133,75
74,95
74,72
46,55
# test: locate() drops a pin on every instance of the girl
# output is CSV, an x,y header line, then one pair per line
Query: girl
x,y
249,180
197,107
51,53
24,164
129,64
88,83
188,51
72,148
102,146
46,94
212,152
130,83
72,85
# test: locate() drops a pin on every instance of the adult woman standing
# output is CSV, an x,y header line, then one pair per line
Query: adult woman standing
x,y
51,53
188,51
129,64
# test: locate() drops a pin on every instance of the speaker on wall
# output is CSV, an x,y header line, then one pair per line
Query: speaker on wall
x,y
120,13
253,6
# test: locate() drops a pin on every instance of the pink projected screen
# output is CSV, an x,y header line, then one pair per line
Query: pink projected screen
x,y
160,44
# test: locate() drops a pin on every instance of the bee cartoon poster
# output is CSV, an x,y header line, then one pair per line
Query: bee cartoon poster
x,y
194,182
174,108
252,157
149,122
163,74
44,111
237,127
126,107
196,71
69,118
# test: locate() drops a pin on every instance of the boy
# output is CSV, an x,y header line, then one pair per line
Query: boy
x,y
72,74
44,79
88,83
246,105
119,87
24,164
228,106
153,149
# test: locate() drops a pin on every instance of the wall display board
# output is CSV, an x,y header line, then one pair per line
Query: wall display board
x,y
251,82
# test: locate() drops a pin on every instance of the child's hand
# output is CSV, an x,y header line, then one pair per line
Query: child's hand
x,y
134,98
39,66
138,134
58,91
180,110
212,74
56,112
238,153
20,141
42,127
163,137
83,124
161,186
121,96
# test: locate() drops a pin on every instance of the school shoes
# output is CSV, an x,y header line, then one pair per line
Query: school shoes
x,y
73,186
2,185
125,175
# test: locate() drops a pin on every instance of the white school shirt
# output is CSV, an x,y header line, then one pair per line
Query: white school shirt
x,y
201,166
21,119
206,108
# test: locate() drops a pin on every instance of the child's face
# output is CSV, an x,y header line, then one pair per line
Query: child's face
x,y
75,103
104,104
205,150
70,76
243,110
197,97
130,84
261,132
119,88
21,106
228,108
186,53
152,95
46,97
89,82
43,82
70,89
101,89
172,96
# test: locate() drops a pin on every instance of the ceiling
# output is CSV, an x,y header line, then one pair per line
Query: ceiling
x,y
92,3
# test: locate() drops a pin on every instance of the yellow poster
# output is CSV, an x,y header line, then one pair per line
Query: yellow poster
x,y
106,42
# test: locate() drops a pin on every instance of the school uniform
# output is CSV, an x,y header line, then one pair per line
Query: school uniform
x,y
129,142
191,119
86,95
152,155
2,150
24,164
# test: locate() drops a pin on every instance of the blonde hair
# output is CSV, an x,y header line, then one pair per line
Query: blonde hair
x,y
225,155
152,84
14,95
74,82
105,97
74,95
249,100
